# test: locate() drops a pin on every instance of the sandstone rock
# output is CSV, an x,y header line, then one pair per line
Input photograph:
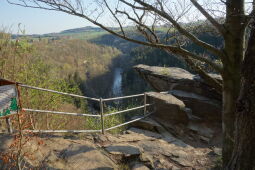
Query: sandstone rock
x,y
168,137
151,125
172,78
145,157
168,108
143,132
160,153
215,76
217,151
60,153
189,103
123,149
191,116
145,148
201,130
133,135
175,152
147,124
205,139
139,166
203,108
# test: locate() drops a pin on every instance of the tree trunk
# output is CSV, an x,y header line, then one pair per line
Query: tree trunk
x,y
228,119
243,157
234,52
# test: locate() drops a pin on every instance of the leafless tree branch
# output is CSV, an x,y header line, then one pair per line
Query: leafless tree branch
x,y
218,26
116,18
69,8
189,35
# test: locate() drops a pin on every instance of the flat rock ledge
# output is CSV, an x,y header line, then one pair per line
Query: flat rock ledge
x,y
200,98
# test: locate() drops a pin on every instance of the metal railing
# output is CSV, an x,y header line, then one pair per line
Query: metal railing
x,y
102,116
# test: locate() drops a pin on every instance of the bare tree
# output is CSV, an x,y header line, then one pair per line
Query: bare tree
x,y
243,156
226,18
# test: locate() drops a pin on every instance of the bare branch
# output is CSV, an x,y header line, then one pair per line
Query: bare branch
x,y
184,52
133,6
210,80
189,35
139,23
218,26
65,7
120,25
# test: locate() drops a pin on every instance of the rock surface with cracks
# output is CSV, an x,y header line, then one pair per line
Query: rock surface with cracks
x,y
136,149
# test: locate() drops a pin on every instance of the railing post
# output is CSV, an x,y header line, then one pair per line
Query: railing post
x,y
102,114
145,102
9,125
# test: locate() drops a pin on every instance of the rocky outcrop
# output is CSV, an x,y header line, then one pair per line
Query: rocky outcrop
x,y
202,101
204,108
56,152
135,149
168,108
173,78
157,150
189,108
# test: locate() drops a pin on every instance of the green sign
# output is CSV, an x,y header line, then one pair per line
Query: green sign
x,y
8,100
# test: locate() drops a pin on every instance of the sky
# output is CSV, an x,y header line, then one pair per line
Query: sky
x,y
36,21
39,21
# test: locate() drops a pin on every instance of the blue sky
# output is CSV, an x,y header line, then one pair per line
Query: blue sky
x,y
37,21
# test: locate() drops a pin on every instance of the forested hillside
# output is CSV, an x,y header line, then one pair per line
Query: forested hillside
x,y
87,64
20,63
73,66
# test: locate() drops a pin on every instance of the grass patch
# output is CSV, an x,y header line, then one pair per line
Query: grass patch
x,y
109,121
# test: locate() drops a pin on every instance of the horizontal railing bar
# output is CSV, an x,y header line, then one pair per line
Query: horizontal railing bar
x,y
127,110
64,113
123,97
134,120
122,111
53,91
62,131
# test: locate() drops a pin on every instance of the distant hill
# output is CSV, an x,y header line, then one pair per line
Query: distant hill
x,y
87,33
92,32
82,29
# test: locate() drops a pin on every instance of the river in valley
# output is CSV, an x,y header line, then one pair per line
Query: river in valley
x,y
117,82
